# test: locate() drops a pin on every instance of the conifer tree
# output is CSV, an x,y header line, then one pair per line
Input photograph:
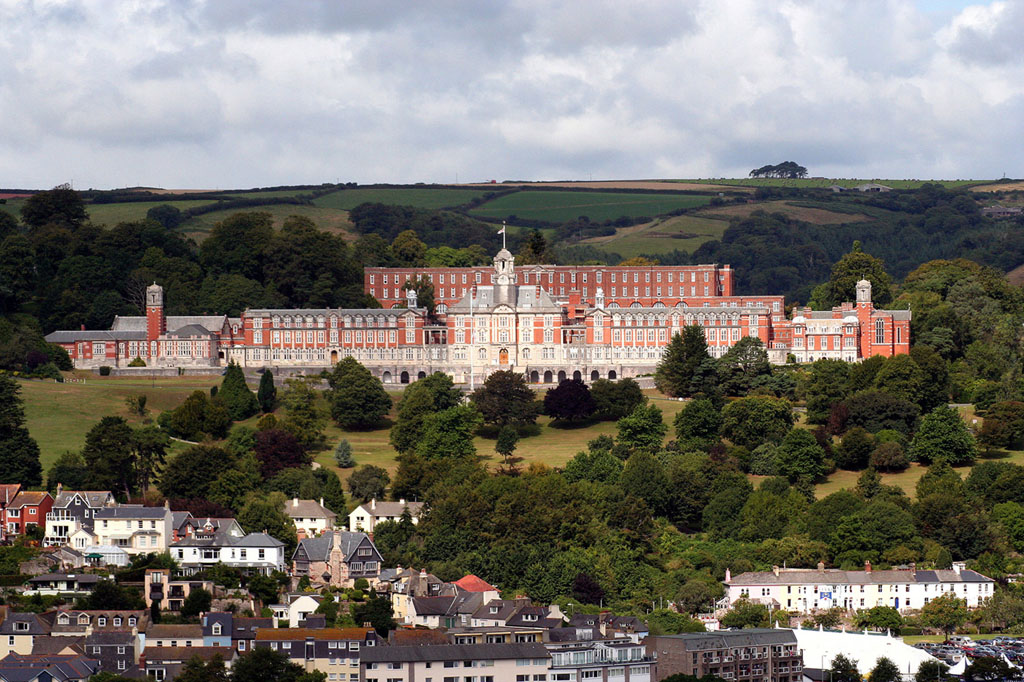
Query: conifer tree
x,y
19,453
266,395
681,363
235,394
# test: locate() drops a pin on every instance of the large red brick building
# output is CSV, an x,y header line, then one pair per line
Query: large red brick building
x,y
549,322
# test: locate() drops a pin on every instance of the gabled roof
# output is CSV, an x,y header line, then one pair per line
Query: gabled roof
x,y
296,508
172,631
36,625
471,583
875,577
7,493
378,508
319,548
29,498
92,498
504,610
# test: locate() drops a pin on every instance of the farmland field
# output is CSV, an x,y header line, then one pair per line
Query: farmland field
x,y
670,185
327,219
828,182
13,206
419,197
112,214
559,207
817,216
684,232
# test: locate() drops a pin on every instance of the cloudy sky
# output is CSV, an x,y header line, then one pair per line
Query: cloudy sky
x,y
244,93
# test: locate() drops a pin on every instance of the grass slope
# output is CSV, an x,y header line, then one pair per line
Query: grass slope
x,y
418,197
806,213
328,219
663,235
559,207
828,182
113,214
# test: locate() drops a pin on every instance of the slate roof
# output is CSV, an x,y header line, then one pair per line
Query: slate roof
x,y
131,511
505,609
222,538
169,654
524,296
319,548
72,335
190,331
49,646
36,625
93,498
452,652
245,628
110,638
24,667
80,578
874,577
137,323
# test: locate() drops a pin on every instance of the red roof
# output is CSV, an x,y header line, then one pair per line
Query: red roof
x,y
471,583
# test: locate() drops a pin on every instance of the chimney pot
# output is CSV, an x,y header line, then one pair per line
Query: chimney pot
x,y
821,565
373,503
295,502
321,501
402,501
867,566
775,570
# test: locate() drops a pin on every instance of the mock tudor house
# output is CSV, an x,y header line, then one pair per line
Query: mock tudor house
x,y
337,558
367,515
593,322
808,590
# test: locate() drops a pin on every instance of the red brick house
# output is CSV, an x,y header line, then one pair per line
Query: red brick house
x,y
29,508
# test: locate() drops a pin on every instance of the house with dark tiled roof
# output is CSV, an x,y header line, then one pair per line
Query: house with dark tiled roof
x,y
47,668
118,651
337,558
174,635
19,630
311,518
447,612
243,632
226,543
336,652
77,622
807,590
166,662
74,510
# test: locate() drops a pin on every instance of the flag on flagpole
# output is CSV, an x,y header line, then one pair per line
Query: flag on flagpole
x,y
502,230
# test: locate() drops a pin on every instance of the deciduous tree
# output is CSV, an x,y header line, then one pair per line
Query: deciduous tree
x,y
569,401
943,435
505,398
755,420
368,482
357,399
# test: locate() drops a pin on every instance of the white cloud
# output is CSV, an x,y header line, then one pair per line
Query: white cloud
x,y
217,93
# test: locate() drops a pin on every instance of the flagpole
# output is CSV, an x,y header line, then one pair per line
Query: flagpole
x,y
503,234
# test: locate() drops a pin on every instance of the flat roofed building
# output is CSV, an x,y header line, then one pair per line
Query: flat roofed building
x,y
757,655
455,663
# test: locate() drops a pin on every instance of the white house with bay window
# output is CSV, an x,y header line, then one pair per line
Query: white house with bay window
x,y
255,552
905,589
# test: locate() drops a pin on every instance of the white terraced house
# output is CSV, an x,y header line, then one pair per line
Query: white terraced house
x,y
905,589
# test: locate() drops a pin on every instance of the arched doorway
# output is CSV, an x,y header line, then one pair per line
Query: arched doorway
x,y
576,376
612,374
547,377
534,377
503,356
561,376
334,357
386,377
595,375
421,375
404,377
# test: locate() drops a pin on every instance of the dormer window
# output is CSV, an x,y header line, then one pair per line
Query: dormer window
x,y
117,621
83,619
132,621
494,609
216,628
21,626
63,619
101,621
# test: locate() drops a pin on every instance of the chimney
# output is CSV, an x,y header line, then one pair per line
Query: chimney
x,y
913,566
59,488
821,566
83,327
867,566
775,570
321,501
373,503
295,502
728,575
401,501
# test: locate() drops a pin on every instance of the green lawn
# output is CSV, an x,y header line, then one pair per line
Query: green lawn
x,y
420,197
59,415
828,182
683,232
13,206
328,219
559,207
113,214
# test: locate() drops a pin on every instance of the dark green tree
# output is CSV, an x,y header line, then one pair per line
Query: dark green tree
x,y
376,611
421,398
60,205
265,513
848,270
943,435
305,418
263,664
876,410
755,420
236,395
505,446
697,425
198,601
900,376
932,671
879,618
569,401
357,399
449,433
615,399
343,454
19,453
844,669
505,398
192,472
110,457
424,292
643,477
855,450
742,365
266,394
989,669
680,362
643,429
167,215
70,471
368,482
826,385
